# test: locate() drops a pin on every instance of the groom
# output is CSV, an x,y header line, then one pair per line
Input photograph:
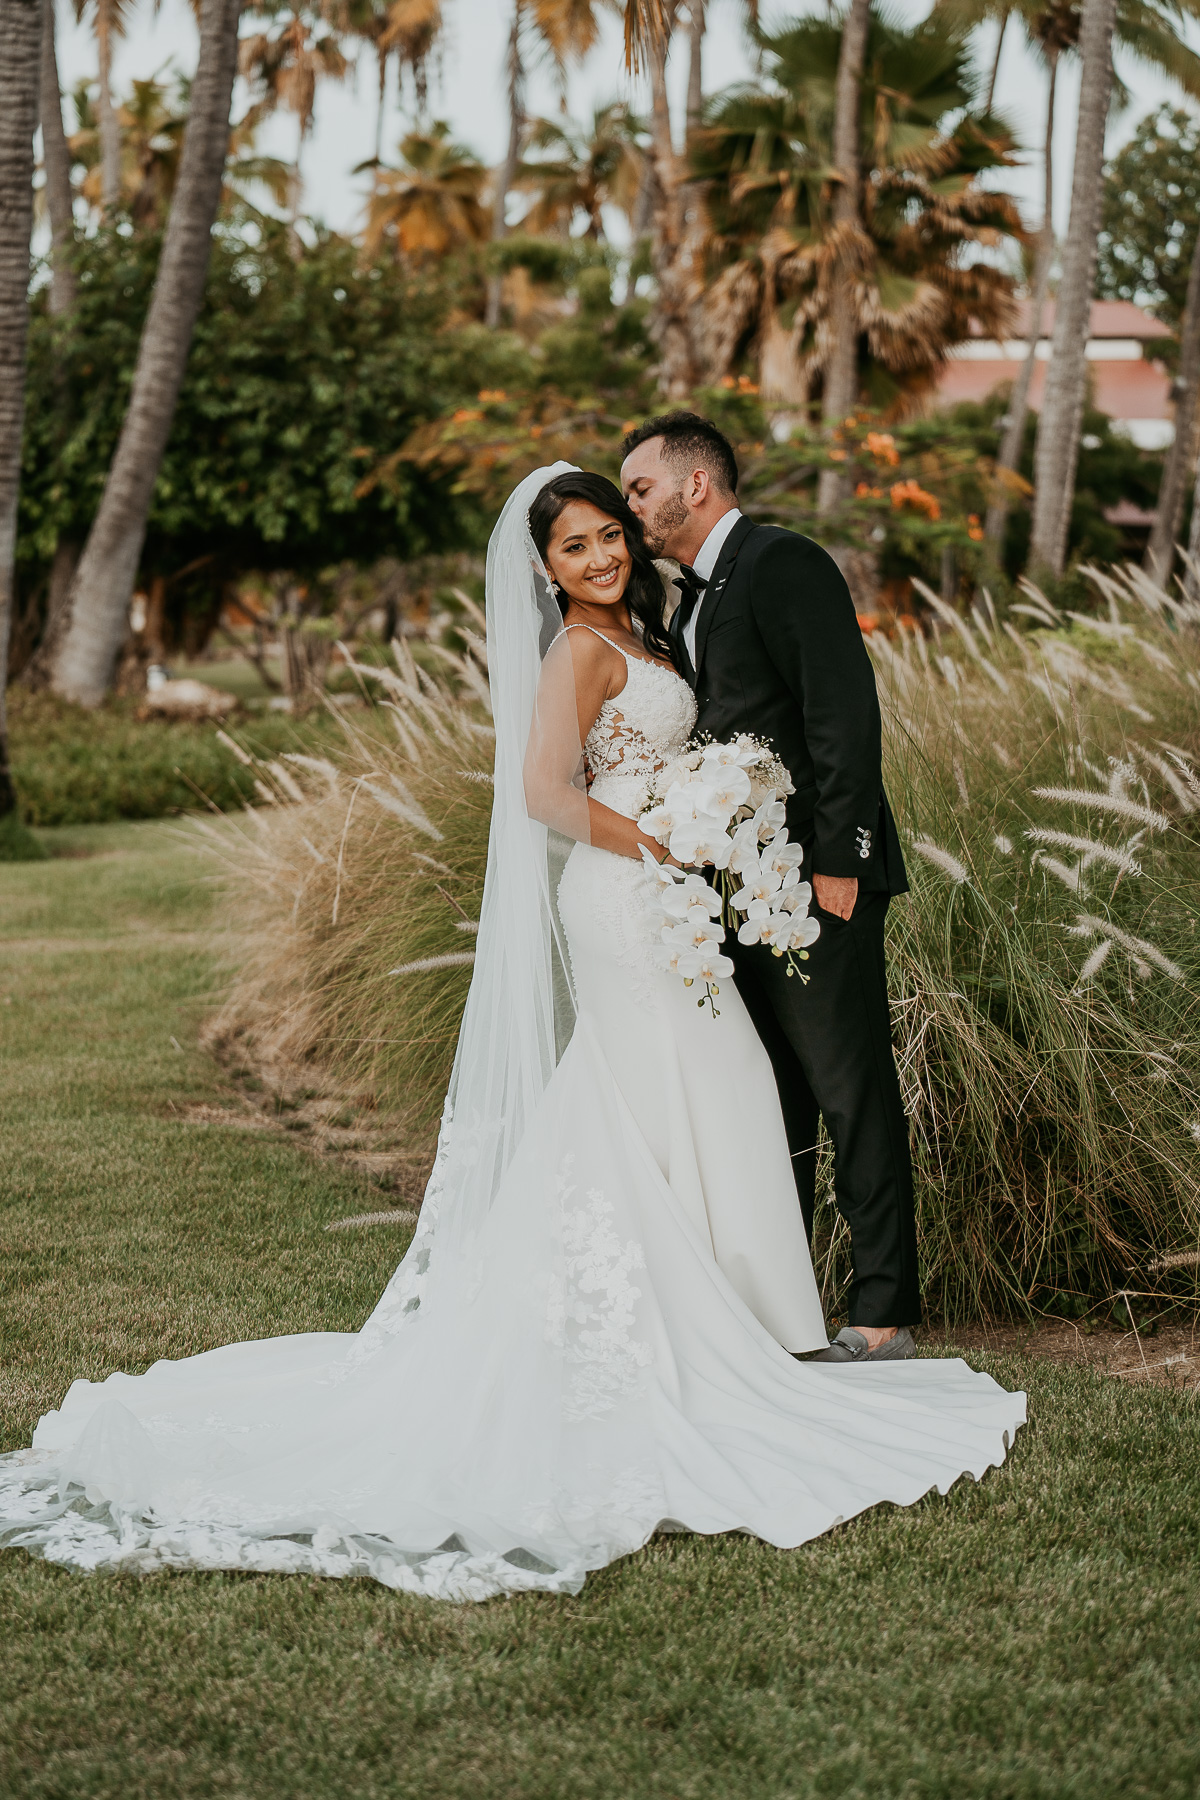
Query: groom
x,y
765,632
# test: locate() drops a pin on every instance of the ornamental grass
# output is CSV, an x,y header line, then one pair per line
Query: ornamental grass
x,y
1045,772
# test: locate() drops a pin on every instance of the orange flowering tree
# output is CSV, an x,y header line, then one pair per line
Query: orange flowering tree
x,y
919,488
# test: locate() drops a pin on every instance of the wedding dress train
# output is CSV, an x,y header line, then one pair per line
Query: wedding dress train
x,y
609,1357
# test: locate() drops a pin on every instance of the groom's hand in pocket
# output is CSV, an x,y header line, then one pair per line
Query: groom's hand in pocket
x,y
836,894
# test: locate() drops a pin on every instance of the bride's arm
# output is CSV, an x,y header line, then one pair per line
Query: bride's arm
x,y
578,675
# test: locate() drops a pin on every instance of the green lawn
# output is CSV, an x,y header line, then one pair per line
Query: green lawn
x,y
1033,1638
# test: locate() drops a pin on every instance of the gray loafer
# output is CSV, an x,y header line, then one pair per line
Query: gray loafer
x,y
850,1346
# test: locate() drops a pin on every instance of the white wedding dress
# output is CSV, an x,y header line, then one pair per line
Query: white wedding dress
x,y
606,1352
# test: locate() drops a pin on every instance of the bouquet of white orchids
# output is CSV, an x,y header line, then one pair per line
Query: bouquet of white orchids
x,y
722,806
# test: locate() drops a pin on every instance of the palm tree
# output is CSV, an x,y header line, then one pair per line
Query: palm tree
x,y
247,168
20,79
673,195
56,159
1181,457
648,25
1012,441
676,233
575,170
151,128
1057,449
406,29
108,22
695,90
413,29
1152,31
100,594
432,203
286,64
779,248
565,28
841,368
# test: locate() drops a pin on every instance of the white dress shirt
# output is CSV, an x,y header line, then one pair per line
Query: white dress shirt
x,y
705,563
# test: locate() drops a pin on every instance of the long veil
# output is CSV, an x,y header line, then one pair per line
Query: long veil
x,y
520,1010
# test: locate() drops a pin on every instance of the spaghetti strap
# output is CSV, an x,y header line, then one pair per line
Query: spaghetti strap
x,y
647,661
604,640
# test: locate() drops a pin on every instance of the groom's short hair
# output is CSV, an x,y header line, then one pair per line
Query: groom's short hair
x,y
692,442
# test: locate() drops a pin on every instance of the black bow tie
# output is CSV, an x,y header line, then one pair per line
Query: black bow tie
x,y
691,586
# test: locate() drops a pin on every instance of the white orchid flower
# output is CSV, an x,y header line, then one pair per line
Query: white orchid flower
x,y
690,800
729,789
701,840
700,893
759,929
762,886
693,935
743,753
795,899
769,817
657,823
780,855
695,899
667,956
796,933
744,858
663,874
705,965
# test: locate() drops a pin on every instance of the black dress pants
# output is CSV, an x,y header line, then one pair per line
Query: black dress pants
x,y
830,1045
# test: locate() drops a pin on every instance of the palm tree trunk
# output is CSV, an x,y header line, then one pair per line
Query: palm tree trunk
x,y
57,160
1181,457
1191,574
1066,380
783,387
991,93
21,35
1018,406
100,598
841,372
695,93
507,173
676,240
110,129
382,57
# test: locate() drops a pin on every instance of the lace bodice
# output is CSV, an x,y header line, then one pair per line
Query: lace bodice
x,y
638,732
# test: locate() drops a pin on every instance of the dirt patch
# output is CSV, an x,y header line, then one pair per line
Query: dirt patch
x,y
1163,1353
270,1094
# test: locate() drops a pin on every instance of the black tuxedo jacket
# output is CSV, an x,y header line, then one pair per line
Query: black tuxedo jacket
x,y
779,653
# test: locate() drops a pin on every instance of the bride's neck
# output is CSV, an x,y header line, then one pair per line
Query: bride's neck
x,y
613,617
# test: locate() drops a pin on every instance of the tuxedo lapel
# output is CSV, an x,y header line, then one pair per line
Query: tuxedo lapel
x,y
681,651
714,593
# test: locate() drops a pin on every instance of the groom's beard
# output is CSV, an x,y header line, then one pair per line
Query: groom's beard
x,y
670,516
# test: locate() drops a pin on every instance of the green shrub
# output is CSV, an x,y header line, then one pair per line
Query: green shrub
x,y
17,842
72,766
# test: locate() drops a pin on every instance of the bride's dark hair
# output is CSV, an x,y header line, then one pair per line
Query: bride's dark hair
x,y
644,595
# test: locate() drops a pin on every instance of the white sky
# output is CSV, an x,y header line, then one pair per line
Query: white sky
x,y
467,88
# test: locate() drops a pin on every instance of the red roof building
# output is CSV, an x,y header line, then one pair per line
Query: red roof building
x,y
1128,383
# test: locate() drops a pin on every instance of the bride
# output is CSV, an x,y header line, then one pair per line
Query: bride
x,y
599,1328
